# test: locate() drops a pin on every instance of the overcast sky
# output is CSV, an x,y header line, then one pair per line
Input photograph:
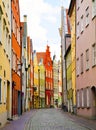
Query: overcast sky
x,y
44,19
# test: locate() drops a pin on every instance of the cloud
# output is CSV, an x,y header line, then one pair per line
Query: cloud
x,y
42,17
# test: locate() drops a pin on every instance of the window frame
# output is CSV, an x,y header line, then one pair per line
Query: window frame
x,y
87,59
94,55
0,90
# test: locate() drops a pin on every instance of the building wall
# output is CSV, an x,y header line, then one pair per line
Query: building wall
x,y
49,78
55,81
73,52
36,82
16,59
5,55
85,40
42,85
69,80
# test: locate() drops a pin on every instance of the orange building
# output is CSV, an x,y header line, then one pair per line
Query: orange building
x,y
49,78
16,59
45,57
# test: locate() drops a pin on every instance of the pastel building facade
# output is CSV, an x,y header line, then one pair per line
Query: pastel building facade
x,y
72,16
49,93
55,81
41,76
59,85
16,60
86,57
5,61
24,64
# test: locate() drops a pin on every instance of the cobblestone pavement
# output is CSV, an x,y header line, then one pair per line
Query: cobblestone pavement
x,y
19,124
52,119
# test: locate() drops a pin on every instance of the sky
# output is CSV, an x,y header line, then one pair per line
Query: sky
x,y
43,21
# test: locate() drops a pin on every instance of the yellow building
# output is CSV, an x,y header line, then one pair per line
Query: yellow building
x,y
36,82
69,78
72,14
5,61
41,82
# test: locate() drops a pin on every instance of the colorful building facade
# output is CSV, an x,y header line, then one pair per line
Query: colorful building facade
x,y
16,60
72,16
5,61
69,78
55,81
86,58
36,81
59,85
49,93
24,64
40,59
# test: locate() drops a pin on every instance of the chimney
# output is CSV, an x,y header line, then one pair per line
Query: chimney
x,y
25,18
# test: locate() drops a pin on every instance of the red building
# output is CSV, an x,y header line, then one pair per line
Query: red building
x,y
16,59
47,61
49,78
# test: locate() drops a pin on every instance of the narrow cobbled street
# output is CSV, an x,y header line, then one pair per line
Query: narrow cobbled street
x,y
49,119
52,119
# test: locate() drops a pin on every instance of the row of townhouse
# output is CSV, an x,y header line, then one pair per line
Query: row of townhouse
x,y
46,80
80,58
16,71
26,77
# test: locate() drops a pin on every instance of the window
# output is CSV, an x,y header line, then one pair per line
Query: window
x,y
78,4
77,67
4,92
81,63
0,24
78,30
4,32
82,92
88,97
87,15
93,8
78,99
87,59
94,54
0,89
14,61
82,28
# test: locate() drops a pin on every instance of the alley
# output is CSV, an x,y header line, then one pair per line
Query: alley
x,y
49,119
52,119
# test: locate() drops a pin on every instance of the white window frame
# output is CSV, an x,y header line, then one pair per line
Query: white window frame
x,y
1,91
88,97
78,4
93,8
0,25
87,59
94,54
82,67
5,90
87,16
82,24
77,72
82,98
78,99
78,30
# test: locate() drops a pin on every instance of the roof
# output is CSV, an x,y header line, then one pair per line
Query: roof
x,y
72,3
40,55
